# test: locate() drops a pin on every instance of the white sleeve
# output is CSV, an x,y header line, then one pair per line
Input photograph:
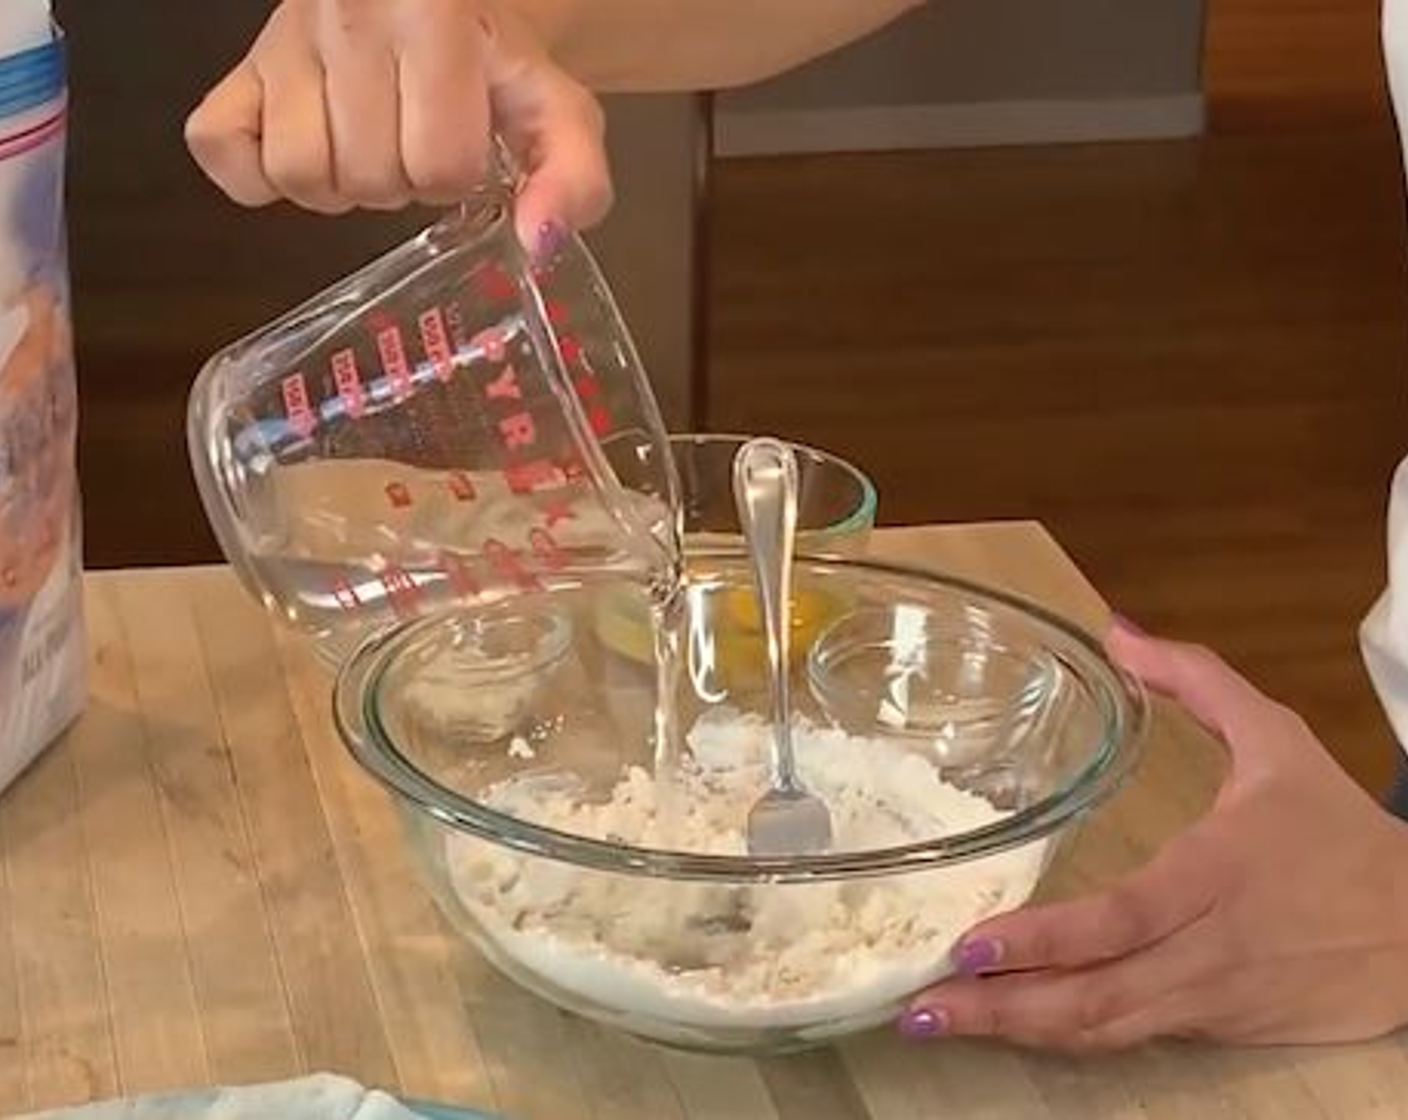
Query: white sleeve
x,y
1384,634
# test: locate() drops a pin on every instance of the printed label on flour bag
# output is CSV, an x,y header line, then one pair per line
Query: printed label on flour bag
x,y
42,647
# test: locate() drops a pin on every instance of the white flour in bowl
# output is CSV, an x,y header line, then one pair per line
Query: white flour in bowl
x,y
747,956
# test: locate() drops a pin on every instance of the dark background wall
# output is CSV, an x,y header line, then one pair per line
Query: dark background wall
x,y
165,270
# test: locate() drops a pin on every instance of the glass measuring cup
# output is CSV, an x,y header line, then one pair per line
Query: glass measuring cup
x,y
430,430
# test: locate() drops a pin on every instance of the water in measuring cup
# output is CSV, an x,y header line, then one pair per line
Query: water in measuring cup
x,y
410,463
335,572
375,482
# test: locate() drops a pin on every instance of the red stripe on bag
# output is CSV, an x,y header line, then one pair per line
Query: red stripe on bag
x,y
32,137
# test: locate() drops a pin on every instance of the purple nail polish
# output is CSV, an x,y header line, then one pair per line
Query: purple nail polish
x,y
923,1022
551,237
978,955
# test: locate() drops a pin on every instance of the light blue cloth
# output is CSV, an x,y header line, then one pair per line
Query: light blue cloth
x,y
320,1097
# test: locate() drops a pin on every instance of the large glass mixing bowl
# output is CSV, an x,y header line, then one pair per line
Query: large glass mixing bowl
x,y
956,733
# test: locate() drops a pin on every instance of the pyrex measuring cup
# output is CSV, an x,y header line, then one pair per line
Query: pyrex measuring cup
x,y
434,428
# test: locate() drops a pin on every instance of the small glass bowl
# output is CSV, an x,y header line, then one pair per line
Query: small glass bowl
x,y
836,501
836,506
635,903
481,681
931,674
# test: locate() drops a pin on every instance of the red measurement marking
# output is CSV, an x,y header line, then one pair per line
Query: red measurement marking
x,y
460,486
508,563
547,550
297,407
492,342
518,430
505,386
346,595
399,495
349,382
400,589
393,360
435,341
457,572
495,283
559,509
571,349
557,314
600,420
537,474
587,385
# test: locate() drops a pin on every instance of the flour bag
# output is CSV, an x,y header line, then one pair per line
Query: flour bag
x,y
42,647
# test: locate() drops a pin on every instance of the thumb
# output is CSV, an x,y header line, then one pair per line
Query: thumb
x,y
223,134
1215,694
555,129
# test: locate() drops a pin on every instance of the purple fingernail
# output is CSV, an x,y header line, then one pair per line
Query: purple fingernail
x,y
551,237
924,1022
978,955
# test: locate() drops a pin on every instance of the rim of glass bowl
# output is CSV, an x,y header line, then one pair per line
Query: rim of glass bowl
x,y
831,697
858,520
1122,701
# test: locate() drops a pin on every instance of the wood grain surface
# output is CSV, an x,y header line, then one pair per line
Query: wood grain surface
x,y
200,887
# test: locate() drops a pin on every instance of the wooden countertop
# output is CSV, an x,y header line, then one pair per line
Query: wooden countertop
x,y
200,887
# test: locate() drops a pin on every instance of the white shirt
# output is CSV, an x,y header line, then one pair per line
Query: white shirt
x,y
1384,634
